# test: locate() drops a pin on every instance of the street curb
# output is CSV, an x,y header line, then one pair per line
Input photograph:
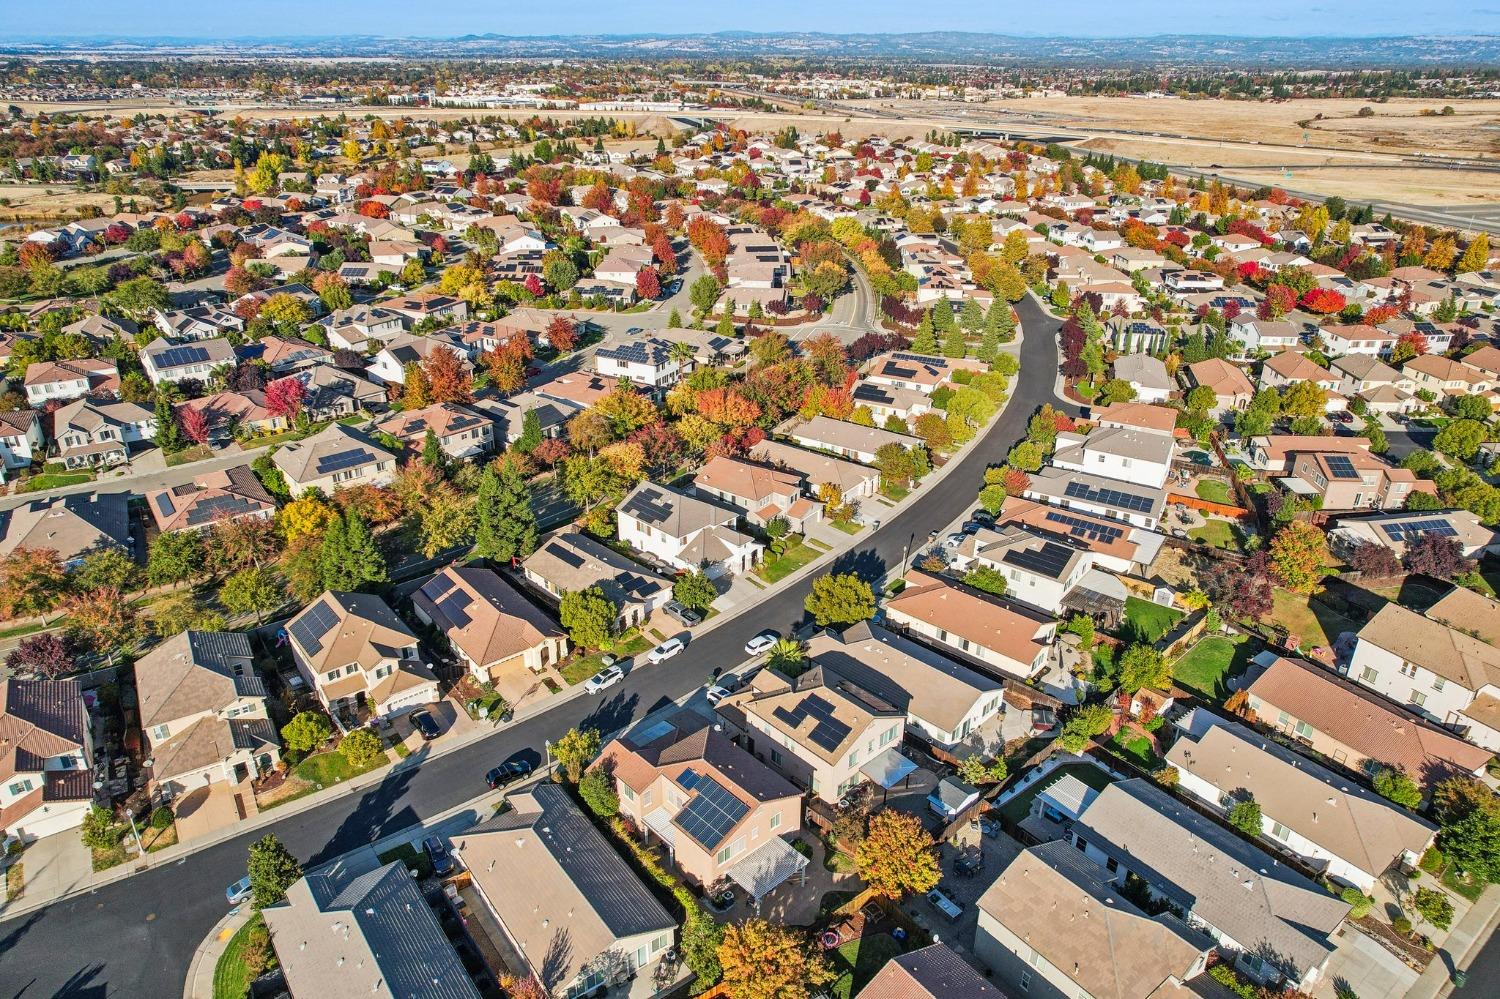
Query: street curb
x,y
376,777
209,951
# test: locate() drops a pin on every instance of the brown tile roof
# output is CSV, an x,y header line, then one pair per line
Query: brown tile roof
x,y
1468,611
746,480
193,672
1138,414
483,615
1224,378
979,617
221,495
1434,645
1364,722
775,700
934,972
365,631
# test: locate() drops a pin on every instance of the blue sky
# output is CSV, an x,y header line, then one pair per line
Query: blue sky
x,y
403,18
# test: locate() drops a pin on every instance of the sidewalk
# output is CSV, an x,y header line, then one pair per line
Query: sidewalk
x,y
200,976
1462,946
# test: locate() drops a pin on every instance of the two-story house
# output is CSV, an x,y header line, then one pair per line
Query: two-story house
x,y
854,481
93,433
390,363
333,458
461,432
166,362
1002,638
1142,457
361,326
21,438
571,560
685,532
203,712
358,656
62,381
46,752
1355,480
651,362
762,493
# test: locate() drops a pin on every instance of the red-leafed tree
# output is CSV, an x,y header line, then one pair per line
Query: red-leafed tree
x,y
533,285
284,397
1323,301
647,284
447,378
1411,341
1374,561
562,334
34,254
1436,556
727,408
194,424
1278,302
116,234
374,210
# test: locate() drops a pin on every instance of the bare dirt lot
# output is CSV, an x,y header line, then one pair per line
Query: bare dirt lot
x,y
54,201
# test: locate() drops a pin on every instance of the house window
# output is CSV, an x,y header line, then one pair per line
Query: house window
x,y
887,736
1305,730
1112,865
661,943
722,856
1418,698
1025,981
1283,718
1438,683
853,757
776,757
1407,669
1081,843
627,792
1368,675
20,787
1280,831
159,732
776,821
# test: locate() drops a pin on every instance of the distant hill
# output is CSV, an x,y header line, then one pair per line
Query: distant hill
x,y
946,46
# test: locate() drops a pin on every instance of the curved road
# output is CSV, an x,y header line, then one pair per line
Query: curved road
x,y
135,937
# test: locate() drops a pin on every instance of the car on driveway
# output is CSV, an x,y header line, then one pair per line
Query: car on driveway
x,y
685,615
955,540
761,643
239,891
606,677
944,903
666,650
508,772
442,860
426,725
726,686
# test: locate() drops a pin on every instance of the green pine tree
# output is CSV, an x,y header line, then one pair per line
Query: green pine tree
x,y
168,434
973,316
432,452
989,347
953,343
726,324
942,316
507,525
349,559
925,342
674,321
531,432
1001,320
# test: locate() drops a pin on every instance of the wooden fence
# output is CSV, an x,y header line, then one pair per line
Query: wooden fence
x,y
1208,506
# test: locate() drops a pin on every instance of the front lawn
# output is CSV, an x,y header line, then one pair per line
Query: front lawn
x,y
794,558
848,526
54,480
1146,621
894,492
198,452
1214,491
580,668
1204,668
233,974
414,859
330,768
859,960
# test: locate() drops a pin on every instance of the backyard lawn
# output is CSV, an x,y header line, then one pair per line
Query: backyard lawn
x,y
795,557
1204,668
1216,533
1316,624
1147,621
858,960
1137,748
1017,808
232,976
1214,491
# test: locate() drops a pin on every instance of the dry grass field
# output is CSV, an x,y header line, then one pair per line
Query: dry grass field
x,y
56,201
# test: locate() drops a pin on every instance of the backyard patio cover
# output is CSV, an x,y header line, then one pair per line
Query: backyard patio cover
x,y
888,769
767,866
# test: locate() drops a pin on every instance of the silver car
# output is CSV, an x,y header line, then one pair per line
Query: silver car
x,y
605,678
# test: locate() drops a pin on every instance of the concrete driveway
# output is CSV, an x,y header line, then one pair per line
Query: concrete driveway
x,y
1365,969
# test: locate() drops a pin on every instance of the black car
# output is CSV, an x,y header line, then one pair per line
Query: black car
x,y
425,724
508,772
442,862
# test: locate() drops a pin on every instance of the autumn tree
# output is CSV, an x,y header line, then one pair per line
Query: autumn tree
x,y
448,378
897,855
47,656
562,334
1299,556
575,750
284,397
764,960
104,620
1143,665
32,581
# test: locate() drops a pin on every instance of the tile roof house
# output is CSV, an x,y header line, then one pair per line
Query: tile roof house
x,y
685,532
763,493
1147,375
932,972
355,327
497,633
1398,529
46,751
461,432
203,712
572,560
1139,415
997,636
45,381
1052,925
1329,822
1232,390
570,907
354,651
1141,457
73,526
650,362
945,701
1138,505
389,365
227,494
335,457
92,433
1434,666
1114,546
848,440
820,730
717,810
373,935
1353,480
1271,921
813,468
1354,727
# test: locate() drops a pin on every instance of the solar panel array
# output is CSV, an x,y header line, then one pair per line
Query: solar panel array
x,y
566,556
1086,529
1340,467
178,356
1049,560
922,359
455,608
689,778
218,506
827,733
1109,497
1411,530
310,628
342,460
165,502
647,509
712,813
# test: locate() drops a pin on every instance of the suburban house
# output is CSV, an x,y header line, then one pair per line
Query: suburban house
x,y
1046,571
1329,822
171,362
203,712
1397,530
498,635
1126,454
354,651
850,440
93,433
1274,924
1147,375
1289,367
353,328
570,908
211,497
1007,639
1114,546
46,752
1358,339
335,457
45,381
389,365
1444,377
1352,480
331,393
685,532
1274,453
73,526
1265,335
373,935
461,432
820,730
945,702
1053,926
1434,666
1354,727
1141,506
718,811
1231,389
853,480
649,362
572,560
21,438
932,972
760,492
916,372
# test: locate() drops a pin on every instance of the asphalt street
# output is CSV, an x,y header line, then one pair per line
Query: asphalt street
x,y
135,937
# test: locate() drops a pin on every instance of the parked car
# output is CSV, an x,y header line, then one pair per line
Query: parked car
x,y
508,772
686,615
726,686
975,526
426,725
955,540
944,903
983,516
761,643
1343,416
239,891
606,677
666,650
442,860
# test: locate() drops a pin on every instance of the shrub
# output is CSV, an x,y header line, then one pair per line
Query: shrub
x,y
98,830
362,748
598,792
1245,816
1360,903
307,731
161,818
1434,906
1401,925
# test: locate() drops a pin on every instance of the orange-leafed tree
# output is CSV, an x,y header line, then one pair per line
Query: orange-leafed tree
x,y
897,855
32,581
762,960
1299,556
562,334
447,378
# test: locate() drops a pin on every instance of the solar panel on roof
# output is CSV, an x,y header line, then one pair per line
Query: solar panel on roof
x,y
341,460
455,608
1108,497
1411,530
1340,467
312,626
712,813
689,778
1049,560
217,508
1087,529
165,502
566,556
